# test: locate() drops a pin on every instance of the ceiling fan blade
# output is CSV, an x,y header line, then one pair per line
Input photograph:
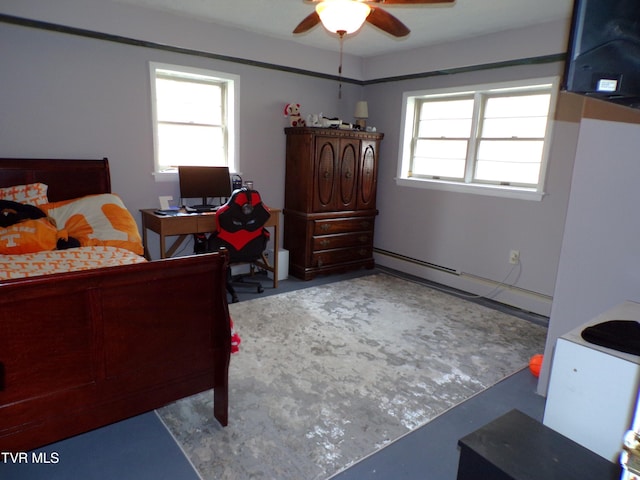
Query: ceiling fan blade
x,y
411,2
387,22
308,23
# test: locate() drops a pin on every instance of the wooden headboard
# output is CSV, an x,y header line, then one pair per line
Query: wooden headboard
x,y
66,178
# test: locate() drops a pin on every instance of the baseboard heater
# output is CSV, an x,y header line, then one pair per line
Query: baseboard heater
x,y
415,261
463,275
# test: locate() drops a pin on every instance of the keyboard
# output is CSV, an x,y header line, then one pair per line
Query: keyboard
x,y
203,208
171,212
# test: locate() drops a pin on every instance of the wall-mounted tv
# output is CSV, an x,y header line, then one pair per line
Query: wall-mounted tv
x,y
603,58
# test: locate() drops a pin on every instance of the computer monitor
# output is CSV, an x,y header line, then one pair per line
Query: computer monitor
x,y
204,183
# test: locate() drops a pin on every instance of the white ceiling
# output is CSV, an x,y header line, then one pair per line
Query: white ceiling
x,y
429,24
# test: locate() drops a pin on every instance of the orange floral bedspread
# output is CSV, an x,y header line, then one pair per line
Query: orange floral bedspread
x,y
59,261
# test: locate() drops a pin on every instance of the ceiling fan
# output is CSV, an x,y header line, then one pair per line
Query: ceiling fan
x,y
347,16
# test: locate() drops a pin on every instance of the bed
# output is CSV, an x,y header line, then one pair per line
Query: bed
x,y
82,349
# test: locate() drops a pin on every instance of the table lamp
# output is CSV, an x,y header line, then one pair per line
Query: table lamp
x,y
361,114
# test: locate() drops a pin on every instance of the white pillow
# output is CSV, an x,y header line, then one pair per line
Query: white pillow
x,y
97,220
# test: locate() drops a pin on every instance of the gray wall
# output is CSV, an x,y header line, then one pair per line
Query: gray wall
x,y
600,259
74,97
114,17
472,234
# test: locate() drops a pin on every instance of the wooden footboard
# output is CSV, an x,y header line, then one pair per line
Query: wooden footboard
x,y
81,350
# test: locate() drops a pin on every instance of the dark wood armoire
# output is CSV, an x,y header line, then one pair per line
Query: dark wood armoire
x,y
330,199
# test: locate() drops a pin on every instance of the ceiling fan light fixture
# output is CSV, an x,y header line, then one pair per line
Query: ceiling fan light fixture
x,y
342,15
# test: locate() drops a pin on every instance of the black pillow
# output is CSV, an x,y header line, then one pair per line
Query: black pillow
x,y
621,335
14,212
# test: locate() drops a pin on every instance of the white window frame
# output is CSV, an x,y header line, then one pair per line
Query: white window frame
x,y
232,113
409,112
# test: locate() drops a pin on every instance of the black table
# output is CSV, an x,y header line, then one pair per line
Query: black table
x,y
517,447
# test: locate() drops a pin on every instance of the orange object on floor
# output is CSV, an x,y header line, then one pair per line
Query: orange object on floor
x,y
535,363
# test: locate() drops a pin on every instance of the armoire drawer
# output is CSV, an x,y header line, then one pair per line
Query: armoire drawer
x,y
341,255
343,225
341,240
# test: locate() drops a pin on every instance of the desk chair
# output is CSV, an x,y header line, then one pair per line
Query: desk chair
x,y
241,231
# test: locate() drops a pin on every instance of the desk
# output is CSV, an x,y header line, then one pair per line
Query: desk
x,y
185,225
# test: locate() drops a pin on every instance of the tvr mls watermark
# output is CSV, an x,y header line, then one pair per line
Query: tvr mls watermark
x,y
30,457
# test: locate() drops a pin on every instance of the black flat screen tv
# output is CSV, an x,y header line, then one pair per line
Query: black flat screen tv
x,y
603,58
204,183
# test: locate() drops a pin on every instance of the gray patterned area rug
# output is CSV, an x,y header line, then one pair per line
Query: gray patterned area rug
x,y
330,374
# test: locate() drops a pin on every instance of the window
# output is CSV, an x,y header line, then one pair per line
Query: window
x,y
491,139
194,118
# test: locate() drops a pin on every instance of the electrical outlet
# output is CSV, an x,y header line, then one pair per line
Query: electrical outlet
x,y
514,257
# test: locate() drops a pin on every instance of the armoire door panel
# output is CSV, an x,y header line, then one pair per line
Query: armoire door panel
x,y
348,174
368,176
326,173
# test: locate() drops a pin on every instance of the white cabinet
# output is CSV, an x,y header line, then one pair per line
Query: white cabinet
x,y
593,389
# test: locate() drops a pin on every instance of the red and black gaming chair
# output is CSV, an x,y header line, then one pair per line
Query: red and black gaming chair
x,y
241,231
